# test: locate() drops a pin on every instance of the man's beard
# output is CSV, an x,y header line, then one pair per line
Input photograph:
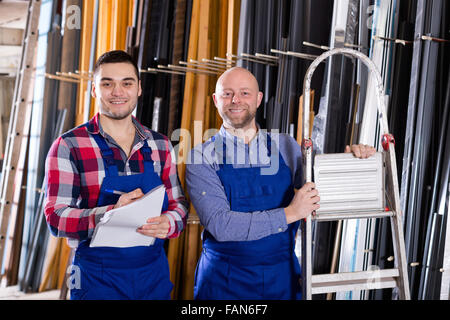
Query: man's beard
x,y
243,122
116,115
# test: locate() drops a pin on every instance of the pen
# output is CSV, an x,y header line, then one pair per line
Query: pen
x,y
114,191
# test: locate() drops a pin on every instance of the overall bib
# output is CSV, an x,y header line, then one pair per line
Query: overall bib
x,y
260,269
123,273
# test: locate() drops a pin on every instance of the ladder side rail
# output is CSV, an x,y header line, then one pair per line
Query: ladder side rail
x,y
12,170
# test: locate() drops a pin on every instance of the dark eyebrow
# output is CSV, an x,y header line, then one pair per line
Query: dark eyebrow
x,y
124,79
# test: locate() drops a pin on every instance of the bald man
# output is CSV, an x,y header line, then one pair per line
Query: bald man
x,y
246,187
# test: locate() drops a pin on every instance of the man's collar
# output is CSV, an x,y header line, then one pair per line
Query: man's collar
x,y
94,127
259,135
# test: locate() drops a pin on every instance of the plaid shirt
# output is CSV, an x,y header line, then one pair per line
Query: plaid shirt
x,y
74,171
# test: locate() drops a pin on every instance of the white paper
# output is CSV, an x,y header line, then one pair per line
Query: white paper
x,y
118,226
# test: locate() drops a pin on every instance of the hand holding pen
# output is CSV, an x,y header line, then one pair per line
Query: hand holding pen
x,y
126,198
114,192
154,227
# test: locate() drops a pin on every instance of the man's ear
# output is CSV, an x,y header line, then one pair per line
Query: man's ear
x,y
214,99
140,88
260,97
93,93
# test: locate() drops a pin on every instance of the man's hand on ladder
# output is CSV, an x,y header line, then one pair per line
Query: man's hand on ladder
x,y
304,203
361,151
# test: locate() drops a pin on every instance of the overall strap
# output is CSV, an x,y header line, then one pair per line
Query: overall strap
x,y
147,154
108,156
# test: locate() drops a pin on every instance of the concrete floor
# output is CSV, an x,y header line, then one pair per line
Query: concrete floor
x,y
13,293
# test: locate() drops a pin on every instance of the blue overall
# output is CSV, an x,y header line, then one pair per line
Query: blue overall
x,y
260,269
123,273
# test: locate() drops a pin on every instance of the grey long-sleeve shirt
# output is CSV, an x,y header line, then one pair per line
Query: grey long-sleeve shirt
x,y
208,195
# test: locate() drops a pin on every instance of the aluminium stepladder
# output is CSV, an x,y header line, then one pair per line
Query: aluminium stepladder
x,y
396,277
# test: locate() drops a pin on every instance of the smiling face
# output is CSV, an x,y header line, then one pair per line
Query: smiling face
x,y
237,98
116,89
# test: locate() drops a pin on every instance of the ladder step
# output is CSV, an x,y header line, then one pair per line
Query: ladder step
x,y
349,281
351,215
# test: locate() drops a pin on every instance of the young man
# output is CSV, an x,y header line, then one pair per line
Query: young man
x,y
113,151
243,184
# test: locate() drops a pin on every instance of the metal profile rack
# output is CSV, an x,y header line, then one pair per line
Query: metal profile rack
x,y
361,280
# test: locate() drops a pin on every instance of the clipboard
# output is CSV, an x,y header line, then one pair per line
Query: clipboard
x,y
118,226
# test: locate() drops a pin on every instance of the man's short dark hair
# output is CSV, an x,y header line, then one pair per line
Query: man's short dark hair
x,y
115,56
